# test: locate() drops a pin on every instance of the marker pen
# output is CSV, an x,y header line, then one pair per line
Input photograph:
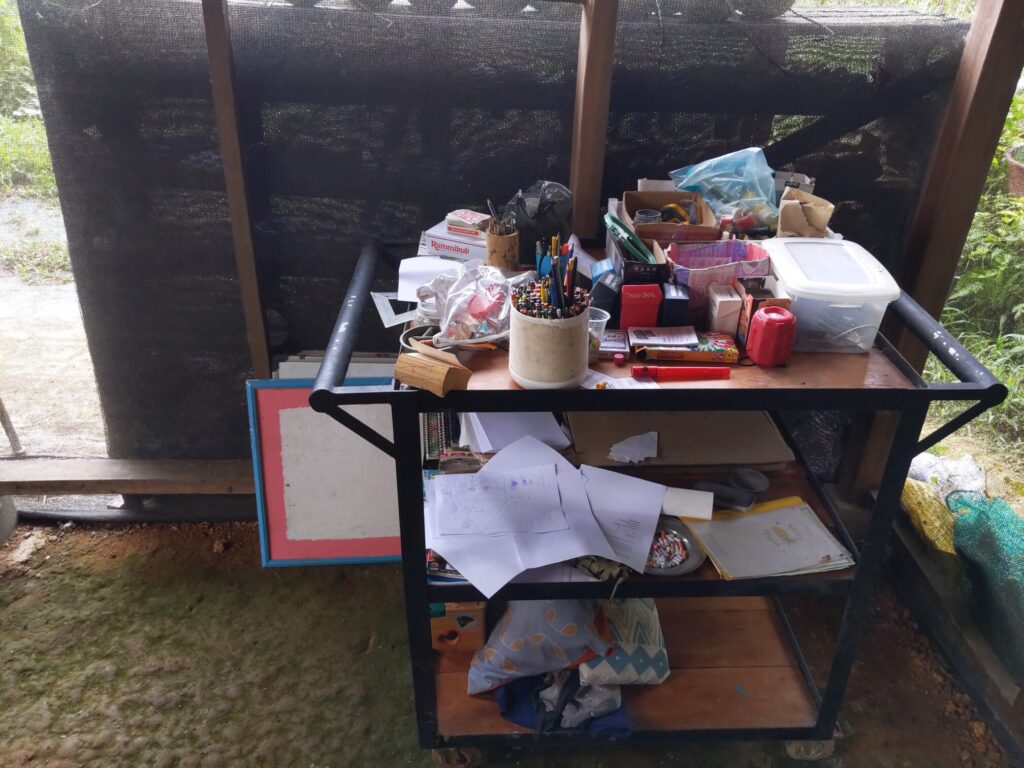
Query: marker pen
x,y
675,373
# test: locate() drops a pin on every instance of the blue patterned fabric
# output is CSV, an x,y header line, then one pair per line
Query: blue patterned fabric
x,y
537,636
639,656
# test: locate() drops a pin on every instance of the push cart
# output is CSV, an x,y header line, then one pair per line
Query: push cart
x,y
746,678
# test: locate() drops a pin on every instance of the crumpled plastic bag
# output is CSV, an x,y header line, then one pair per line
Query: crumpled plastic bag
x,y
739,185
541,212
946,475
473,303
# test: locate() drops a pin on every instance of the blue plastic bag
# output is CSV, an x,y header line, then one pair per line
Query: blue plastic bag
x,y
739,185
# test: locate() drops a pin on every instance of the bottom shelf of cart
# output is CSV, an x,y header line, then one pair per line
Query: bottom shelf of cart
x,y
734,675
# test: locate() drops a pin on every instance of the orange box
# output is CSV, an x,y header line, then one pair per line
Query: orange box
x,y
460,629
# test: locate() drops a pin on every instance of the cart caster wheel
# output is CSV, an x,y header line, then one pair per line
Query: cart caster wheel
x,y
810,750
457,757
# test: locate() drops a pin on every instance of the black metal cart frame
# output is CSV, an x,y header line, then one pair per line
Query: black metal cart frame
x,y
976,386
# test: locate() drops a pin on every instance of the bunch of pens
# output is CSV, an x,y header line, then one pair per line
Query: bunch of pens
x,y
551,298
548,253
500,226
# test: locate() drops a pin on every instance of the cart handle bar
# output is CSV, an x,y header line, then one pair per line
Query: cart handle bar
x,y
339,351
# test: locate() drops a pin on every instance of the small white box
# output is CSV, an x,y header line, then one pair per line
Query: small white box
x,y
724,306
438,241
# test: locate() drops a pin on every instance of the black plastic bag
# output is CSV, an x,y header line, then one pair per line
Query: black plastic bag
x,y
541,212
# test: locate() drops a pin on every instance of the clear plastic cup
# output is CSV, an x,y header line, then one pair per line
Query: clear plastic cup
x,y
598,320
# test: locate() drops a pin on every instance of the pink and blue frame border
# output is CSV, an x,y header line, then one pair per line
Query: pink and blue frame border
x,y
266,398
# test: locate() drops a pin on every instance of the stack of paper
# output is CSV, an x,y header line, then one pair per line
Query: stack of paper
x,y
780,538
491,531
490,432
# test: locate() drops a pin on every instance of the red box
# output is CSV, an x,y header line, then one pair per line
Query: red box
x,y
640,305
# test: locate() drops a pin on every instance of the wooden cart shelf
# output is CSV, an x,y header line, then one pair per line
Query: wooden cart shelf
x,y
738,672
706,581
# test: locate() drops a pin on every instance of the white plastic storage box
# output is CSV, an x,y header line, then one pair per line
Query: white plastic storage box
x,y
839,291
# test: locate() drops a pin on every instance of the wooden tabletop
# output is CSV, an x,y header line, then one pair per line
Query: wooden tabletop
x,y
805,371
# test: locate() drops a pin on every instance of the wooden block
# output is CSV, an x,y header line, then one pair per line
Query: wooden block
x,y
431,374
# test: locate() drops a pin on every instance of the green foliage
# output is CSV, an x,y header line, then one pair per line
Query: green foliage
x,y
17,87
986,307
25,165
38,263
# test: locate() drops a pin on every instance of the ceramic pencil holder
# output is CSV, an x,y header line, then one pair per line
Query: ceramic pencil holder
x,y
548,354
503,251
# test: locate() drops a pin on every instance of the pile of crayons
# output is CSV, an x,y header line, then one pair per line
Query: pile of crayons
x,y
550,299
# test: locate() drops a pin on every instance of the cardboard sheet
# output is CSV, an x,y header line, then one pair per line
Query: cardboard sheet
x,y
696,438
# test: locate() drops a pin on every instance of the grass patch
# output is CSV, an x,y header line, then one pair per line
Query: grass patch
x,y
986,306
25,166
38,263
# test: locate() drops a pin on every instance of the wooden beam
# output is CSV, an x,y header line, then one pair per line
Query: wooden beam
x,y
978,102
222,80
62,477
590,116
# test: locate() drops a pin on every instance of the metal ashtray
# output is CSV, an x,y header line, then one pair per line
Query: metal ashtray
x,y
670,539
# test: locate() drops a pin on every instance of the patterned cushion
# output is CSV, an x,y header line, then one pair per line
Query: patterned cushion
x,y
639,656
538,636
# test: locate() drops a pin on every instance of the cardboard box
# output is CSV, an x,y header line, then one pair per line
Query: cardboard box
x,y
757,292
438,241
724,306
459,628
640,304
706,229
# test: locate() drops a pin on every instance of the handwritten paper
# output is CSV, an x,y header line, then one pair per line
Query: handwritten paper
x,y
525,500
490,562
627,509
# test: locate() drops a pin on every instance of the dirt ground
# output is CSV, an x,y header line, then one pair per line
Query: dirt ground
x,y
171,646
46,376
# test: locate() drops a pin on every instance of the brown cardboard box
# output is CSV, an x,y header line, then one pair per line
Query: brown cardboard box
x,y
666,232
763,292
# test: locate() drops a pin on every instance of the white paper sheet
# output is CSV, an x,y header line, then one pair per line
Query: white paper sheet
x,y
592,378
627,510
420,270
633,450
494,431
490,562
779,542
526,500
688,504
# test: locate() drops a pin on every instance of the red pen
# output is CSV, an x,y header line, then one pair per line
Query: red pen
x,y
676,373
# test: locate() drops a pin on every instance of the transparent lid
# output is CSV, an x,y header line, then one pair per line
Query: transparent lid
x,y
829,269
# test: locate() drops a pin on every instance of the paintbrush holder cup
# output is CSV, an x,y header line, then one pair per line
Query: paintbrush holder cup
x,y
548,354
503,251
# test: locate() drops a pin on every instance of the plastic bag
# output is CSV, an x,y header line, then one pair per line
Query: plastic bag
x,y
541,212
473,303
739,185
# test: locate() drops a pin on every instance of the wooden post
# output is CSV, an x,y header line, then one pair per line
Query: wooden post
x,y
222,80
590,116
978,102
